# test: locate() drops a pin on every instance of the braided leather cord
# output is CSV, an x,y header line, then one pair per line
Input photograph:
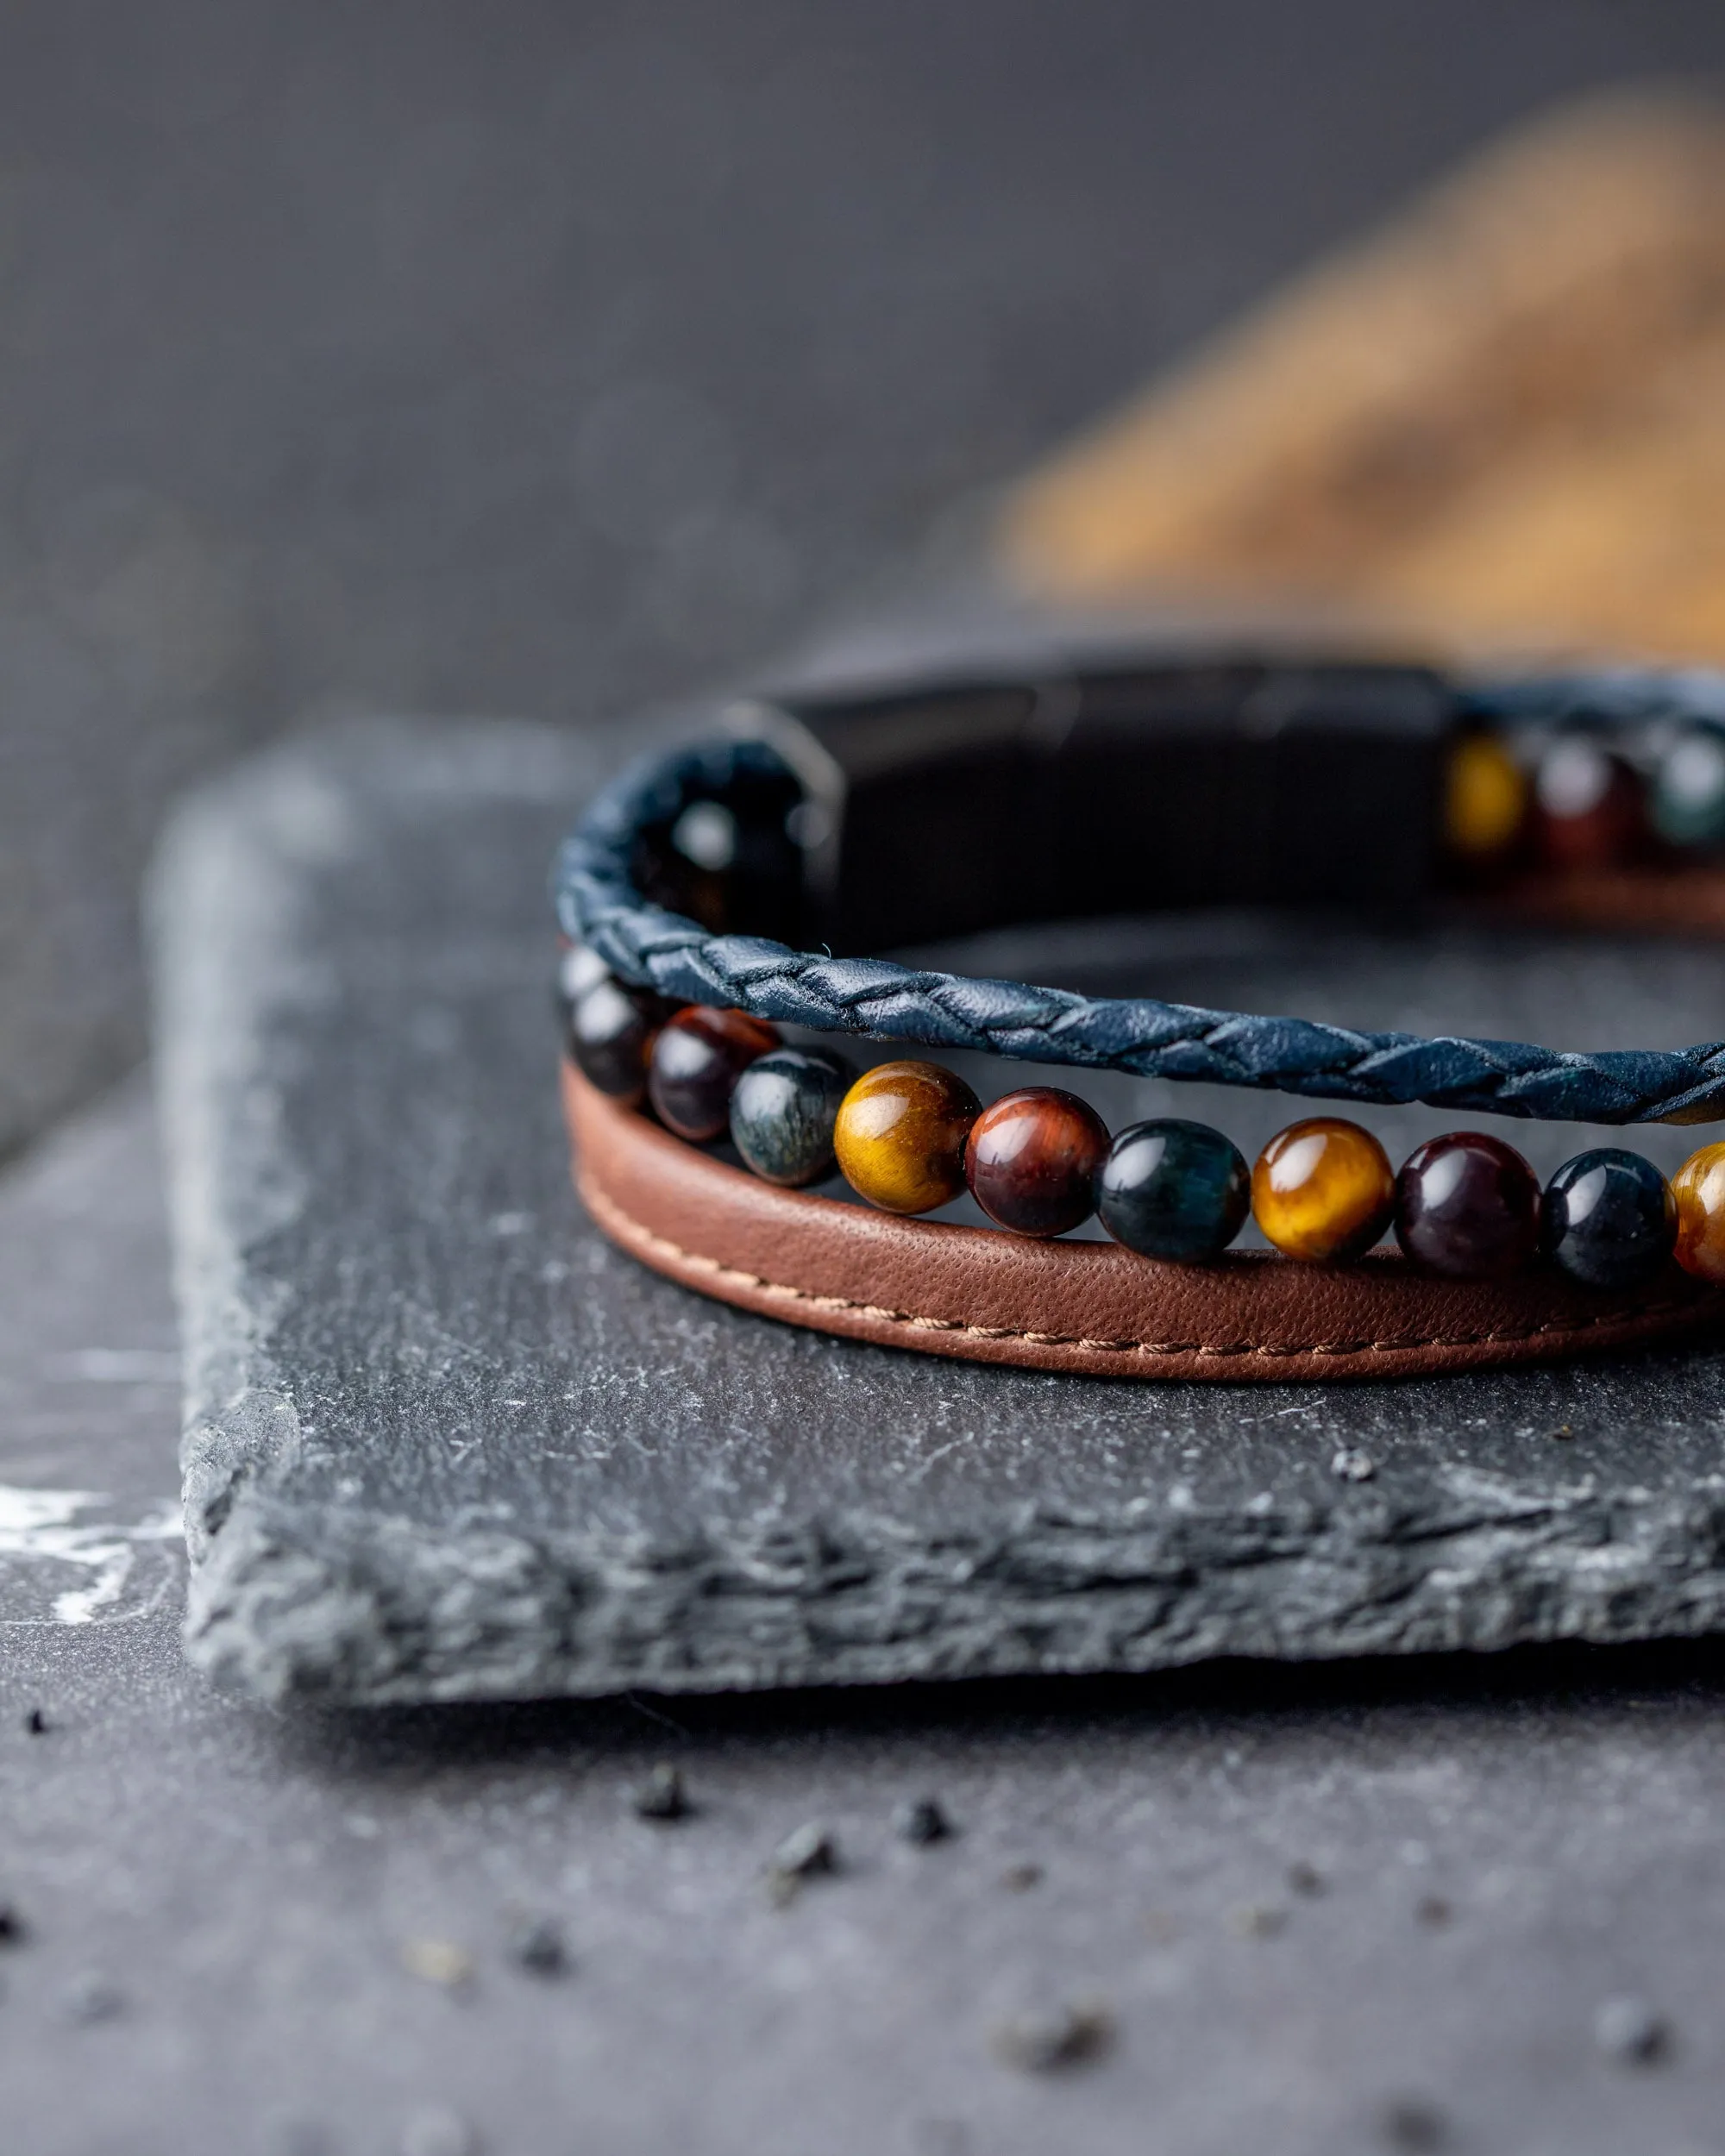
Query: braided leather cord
x,y
651,948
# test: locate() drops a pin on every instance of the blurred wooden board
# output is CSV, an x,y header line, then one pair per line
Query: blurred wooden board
x,y
1498,422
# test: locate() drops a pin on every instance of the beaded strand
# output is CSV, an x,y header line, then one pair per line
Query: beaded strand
x,y
909,1136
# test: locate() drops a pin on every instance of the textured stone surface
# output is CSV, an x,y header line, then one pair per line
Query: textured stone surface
x,y
445,1443
1305,1897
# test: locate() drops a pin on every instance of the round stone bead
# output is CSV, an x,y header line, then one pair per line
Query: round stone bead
x,y
1323,1190
1698,1189
578,970
901,1133
1485,799
1589,810
1609,1218
782,1112
1686,802
696,1060
1173,1190
609,1029
1032,1157
1467,1205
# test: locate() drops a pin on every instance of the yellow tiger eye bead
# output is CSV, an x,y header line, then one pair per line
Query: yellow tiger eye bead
x,y
1699,1190
901,1133
1485,797
1323,1190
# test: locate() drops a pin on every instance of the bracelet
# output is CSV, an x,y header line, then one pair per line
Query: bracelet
x,y
928,811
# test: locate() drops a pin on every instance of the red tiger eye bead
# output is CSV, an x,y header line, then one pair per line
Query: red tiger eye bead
x,y
1032,1160
1589,810
696,1060
1468,1206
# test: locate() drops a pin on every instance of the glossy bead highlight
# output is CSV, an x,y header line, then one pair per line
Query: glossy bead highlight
x,y
782,1112
1032,1157
1323,1190
900,1132
1609,1218
696,1060
1467,1206
1698,1189
1173,1190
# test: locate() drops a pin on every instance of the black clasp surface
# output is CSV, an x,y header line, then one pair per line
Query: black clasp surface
x,y
938,812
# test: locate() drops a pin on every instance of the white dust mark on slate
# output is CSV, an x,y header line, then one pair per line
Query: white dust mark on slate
x,y
40,1528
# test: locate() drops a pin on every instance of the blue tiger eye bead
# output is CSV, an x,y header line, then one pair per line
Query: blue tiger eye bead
x,y
1609,1220
1173,1190
1686,800
783,1110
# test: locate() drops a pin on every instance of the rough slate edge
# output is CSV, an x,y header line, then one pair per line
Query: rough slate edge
x,y
362,1567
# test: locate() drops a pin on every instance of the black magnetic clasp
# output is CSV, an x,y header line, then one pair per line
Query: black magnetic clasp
x,y
1251,784
970,806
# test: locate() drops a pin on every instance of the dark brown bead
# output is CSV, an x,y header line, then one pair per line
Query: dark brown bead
x,y
1032,1157
610,1031
699,1057
1589,809
1467,1205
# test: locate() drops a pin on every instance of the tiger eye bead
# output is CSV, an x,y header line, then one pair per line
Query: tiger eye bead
x,y
1032,1157
696,1061
1467,1205
1485,799
1589,810
782,1113
1323,1190
1173,1190
1686,802
1698,1188
901,1133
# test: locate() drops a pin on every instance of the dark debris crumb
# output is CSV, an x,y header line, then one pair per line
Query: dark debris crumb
x,y
1632,2032
921,1821
1563,1430
809,1851
537,1945
1432,1910
36,1723
14,1931
1305,1878
663,1795
1412,2124
1046,2040
1019,1879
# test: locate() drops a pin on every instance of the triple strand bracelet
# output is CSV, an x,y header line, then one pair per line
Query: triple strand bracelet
x,y
703,899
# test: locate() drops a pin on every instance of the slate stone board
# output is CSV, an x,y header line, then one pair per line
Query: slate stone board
x,y
442,1442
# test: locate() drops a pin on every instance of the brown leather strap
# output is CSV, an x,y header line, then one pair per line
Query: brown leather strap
x,y
1091,1308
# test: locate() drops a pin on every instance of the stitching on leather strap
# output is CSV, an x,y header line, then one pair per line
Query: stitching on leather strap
x,y
628,1230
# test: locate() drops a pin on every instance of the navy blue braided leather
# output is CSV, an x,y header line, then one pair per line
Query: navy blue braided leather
x,y
597,905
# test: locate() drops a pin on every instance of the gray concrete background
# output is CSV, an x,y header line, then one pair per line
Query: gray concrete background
x,y
538,358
